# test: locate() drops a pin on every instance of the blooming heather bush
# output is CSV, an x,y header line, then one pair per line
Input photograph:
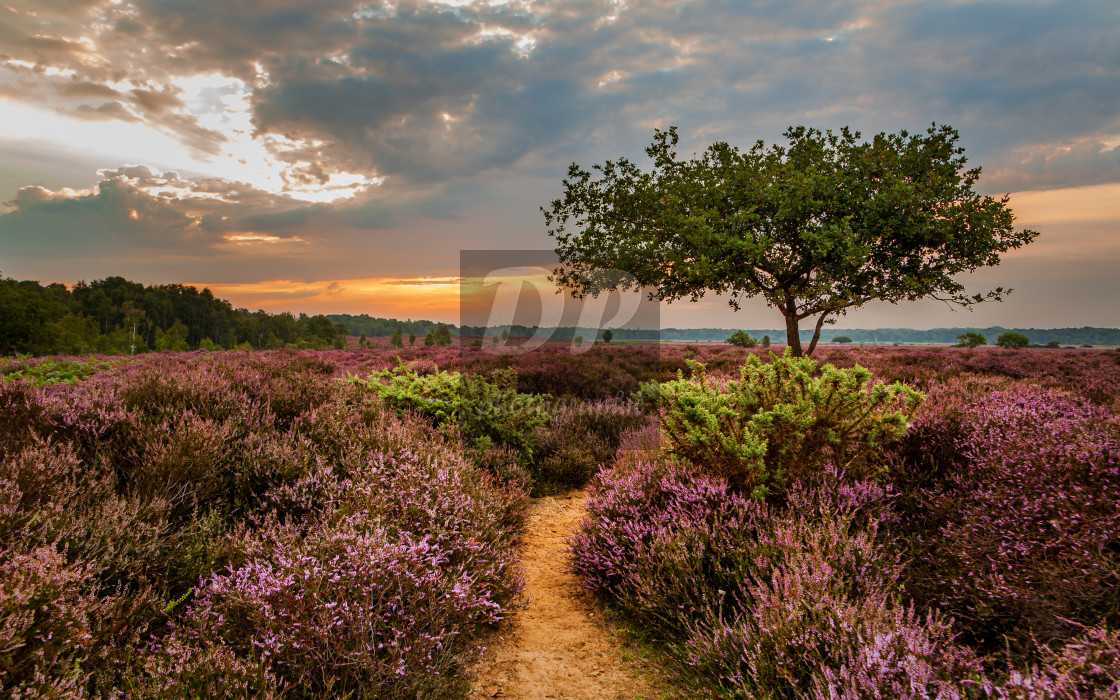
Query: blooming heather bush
x,y
600,373
39,477
779,421
1088,666
625,508
185,670
638,446
580,438
502,462
1018,540
87,417
761,600
140,501
58,635
342,611
1092,374
47,617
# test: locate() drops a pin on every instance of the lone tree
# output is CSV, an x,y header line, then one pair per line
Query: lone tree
x,y
1012,340
741,339
970,339
815,228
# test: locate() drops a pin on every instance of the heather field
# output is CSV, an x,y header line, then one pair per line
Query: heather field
x,y
876,522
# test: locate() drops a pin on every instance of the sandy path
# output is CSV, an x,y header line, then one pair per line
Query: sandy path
x,y
558,647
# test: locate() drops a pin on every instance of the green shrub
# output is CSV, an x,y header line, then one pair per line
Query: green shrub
x,y
841,339
742,340
46,372
485,412
1012,340
779,421
970,340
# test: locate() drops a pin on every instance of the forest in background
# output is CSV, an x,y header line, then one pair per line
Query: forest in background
x,y
116,316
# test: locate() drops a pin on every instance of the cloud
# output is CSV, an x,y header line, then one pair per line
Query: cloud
x,y
135,209
149,224
105,111
1085,161
426,92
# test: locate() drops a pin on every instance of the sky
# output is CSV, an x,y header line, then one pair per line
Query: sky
x,y
337,155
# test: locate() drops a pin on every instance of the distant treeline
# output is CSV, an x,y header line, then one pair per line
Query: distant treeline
x,y
1066,336
372,327
115,315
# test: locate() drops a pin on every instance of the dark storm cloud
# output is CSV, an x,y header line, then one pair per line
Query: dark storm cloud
x,y
148,224
427,92
131,209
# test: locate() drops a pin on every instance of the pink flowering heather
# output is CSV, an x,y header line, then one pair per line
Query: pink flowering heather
x,y
760,600
581,437
186,522
1018,538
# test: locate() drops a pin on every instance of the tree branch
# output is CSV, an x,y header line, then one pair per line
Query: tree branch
x,y
817,332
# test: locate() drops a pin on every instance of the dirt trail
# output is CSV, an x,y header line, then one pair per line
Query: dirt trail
x,y
558,647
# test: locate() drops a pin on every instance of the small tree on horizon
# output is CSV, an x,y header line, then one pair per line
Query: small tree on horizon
x,y
817,227
442,335
970,339
1012,340
608,335
741,339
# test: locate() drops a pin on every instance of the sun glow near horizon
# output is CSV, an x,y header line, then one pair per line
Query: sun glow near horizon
x,y
432,298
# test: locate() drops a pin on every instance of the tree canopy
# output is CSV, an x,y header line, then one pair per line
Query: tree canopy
x,y
1013,340
970,340
822,225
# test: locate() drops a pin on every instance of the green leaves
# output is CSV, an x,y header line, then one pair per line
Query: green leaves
x,y
483,412
816,227
782,420
53,371
970,339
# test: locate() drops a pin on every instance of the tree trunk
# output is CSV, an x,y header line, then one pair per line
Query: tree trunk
x,y
816,333
793,333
